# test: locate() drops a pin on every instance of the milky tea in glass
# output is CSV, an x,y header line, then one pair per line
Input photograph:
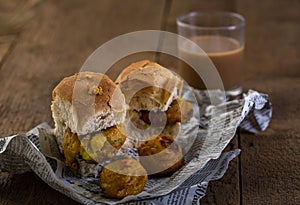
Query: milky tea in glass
x,y
221,36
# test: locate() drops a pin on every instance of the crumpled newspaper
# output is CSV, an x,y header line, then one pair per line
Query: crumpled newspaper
x,y
37,150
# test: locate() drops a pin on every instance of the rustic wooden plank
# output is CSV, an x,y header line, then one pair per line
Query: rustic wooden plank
x,y
13,15
54,44
272,37
225,190
6,43
270,168
284,95
271,159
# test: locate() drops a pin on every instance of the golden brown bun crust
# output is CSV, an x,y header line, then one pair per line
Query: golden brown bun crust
x,y
86,102
96,86
149,86
136,66
160,155
123,177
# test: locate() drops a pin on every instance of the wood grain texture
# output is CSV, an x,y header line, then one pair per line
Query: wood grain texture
x,y
272,37
270,168
54,44
271,159
6,43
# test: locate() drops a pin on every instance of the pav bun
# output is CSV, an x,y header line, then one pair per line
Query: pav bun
x,y
86,102
149,86
88,111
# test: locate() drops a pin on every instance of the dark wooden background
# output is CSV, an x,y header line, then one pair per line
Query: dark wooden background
x,y
42,41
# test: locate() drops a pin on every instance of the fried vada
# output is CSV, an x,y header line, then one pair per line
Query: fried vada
x,y
161,155
123,177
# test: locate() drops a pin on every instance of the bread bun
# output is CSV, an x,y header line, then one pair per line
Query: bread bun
x,y
149,86
86,102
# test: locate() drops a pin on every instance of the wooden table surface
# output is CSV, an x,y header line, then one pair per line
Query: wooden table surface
x,y
42,41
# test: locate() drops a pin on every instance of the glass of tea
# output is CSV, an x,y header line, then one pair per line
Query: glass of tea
x,y
221,36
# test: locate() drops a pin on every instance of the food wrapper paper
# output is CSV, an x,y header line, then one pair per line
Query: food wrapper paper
x,y
211,131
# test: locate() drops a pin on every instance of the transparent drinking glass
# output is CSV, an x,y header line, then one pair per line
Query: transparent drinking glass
x,y
221,35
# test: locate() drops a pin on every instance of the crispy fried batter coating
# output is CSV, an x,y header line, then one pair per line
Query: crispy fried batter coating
x,y
116,135
123,177
180,110
92,148
160,155
71,147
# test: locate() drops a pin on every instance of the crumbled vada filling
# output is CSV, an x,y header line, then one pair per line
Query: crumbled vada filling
x,y
92,148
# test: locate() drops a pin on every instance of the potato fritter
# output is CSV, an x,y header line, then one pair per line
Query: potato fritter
x,y
71,148
116,135
123,177
92,148
160,155
180,110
